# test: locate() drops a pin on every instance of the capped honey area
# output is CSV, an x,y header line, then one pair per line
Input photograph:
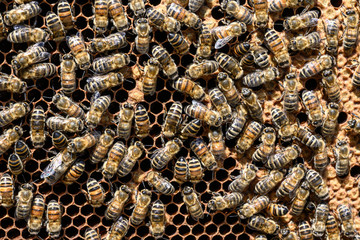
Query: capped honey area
x,y
274,173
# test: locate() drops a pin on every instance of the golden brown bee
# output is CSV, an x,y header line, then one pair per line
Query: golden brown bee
x,y
13,112
219,101
318,184
301,43
37,71
332,228
194,5
23,34
280,5
224,34
331,28
9,137
262,224
242,181
124,120
292,181
155,179
179,43
277,46
205,42
195,170
134,152
116,205
22,150
239,120
306,137
143,30
21,13
242,49
161,21
321,215
230,200
200,69
142,205
342,155
15,164
91,234
99,104
347,220
149,76
247,61
79,51
112,42
330,123
189,87
192,202
241,13
11,83
59,140
59,123
190,129
118,15
103,146
227,86
248,137
7,191
331,86
80,144
181,170
200,111
110,63
3,29
267,146
142,121
277,210
313,108
65,13
74,172
217,143
100,83
303,20
172,120
116,154
321,159
37,127
286,234
351,30
305,231
95,194
261,16
157,219
162,156
53,219
258,78
291,93
314,67
55,26
35,221
138,7
253,207
68,74
119,229
23,201
184,16
281,159
269,182
261,56
167,63
198,146
252,103
69,107
100,10
33,54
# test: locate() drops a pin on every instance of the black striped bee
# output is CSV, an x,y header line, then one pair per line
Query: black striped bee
x,y
200,111
59,140
95,194
14,111
162,156
112,42
230,65
261,56
167,63
181,170
99,104
79,51
124,120
261,16
162,22
15,164
91,234
286,234
100,83
321,159
331,28
318,184
11,83
143,30
172,120
116,204
239,12
179,43
220,103
155,179
33,54
247,61
138,7
316,66
69,107
253,207
116,154
300,199
74,172
7,191
134,152
110,63
291,93
242,49
3,29
194,5
22,150
55,26
149,76
80,144
321,215
252,104
35,221
305,230
59,123
306,137
205,42
347,220
262,224
217,143
68,74
331,86
292,181
242,181
190,129
100,20
230,200
332,228
277,45
330,123
303,20
309,41
142,206
9,137
118,15
198,146
142,121
119,229
189,87
239,120
280,5
228,88
258,78
269,182
267,146
37,71
351,30
281,159
53,219
102,147
195,170
277,210
192,202
251,132
313,108
157,219
203,68
24,34
184,16
23,201
342,155
21,13
66,14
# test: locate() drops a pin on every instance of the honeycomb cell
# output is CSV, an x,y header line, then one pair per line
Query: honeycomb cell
x,y
6,222
142,231
67,199
72,210
13,233
218,218
311,84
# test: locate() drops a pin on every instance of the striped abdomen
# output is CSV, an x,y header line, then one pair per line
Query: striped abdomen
x,y
64,12
15,164
95,193
142,121
55,26
181,170
74,172
59,140
36,215
155,17
179,43
22,150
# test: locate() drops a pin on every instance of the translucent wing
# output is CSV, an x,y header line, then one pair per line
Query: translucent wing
x,y
51,168
222,42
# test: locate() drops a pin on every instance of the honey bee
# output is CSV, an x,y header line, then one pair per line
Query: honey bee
x,y
277,45
74,173
68,74
313,108
190,129
192,202
100,10
319,225
162,156
230,200
200,69
118,15
95,194
142,205
301,43
228,88
55,26
261,16
103,146
125,119
59,123
15,164
157,219
110,63
258,78
119,229
260,237
307,138
242,49
23,201
155,179
11,83
252,103
142,121
66,14
280,5
217,143
194,5
321,157
79,51
262,224
99,104
261,57
200,111
138,7
198,146
218,99
22,150
35,220
291,94
53,219
332,229
189,87
24,34
69,107
116,205
317,183
33,54
149,76
37,126
37,71
162,22
100,83
230,65
142,40
331,86
351,30
303,20
283,158
184,16
21,13
277,210
128,162
195,170
253,207
267,146
247,61
299,201
205,42
286,234
224,34
248,137
59,140
354,125
13,112
242,181
292,181
179,43
91,234
269,182
3,29
305,231
181,170
239,12
314,67
116,154
7,191
330,122
172,120
342,155
347,220
168,64
80,144
9,137
331,28
112,42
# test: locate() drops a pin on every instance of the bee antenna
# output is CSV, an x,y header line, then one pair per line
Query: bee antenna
x,y
127,80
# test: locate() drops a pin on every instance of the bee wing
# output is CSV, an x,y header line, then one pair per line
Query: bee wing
x,y
51,168
17,27
95,78
222,42
42,57
157,152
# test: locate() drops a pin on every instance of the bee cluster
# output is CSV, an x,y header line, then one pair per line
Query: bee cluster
x,y
91,153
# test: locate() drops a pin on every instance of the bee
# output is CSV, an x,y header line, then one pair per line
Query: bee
x,y
69,107
3,29
142,40
260,237
91,234
184,16
181,170
228,88
37,71
314,67
307,138
190,129
239,12
11,83
241,49
286,234
313,107
291,94
224,34
22,150
99,104
116,154
66,14
354,125
23,201
258,78
347,220
198,146
342,155
261,57
13,112
230,200
24,34
7,191
238,123
330,122
33,54
205,42
157,219
128,162
35,220
269,182
305,231
161,21
179,43
321,214
21,13
55,26
195,170
110,63
189,87
300,21
292,181
53,219
194,5
331,28
351,30
68,74
261,16
99,83
252,103
253,207
219,101
230,65
248,137
217,143
172,120
80,144
242,181
283,158
317,183
138,7
262,224
192,202
142,121
277,45
95,194
200,69
59,123
331,86
74,173
280,5
79,51
247,61
301,43
155,179
200,111
124,122
162,156
142,205
15,164
119,229
332,229
112,42
59,140
116,205
100,20
9,137
167,63
277,210
299,201
102,147
149,76
267,146
118,15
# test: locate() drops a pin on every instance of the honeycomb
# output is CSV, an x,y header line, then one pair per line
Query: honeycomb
x,y
78,215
